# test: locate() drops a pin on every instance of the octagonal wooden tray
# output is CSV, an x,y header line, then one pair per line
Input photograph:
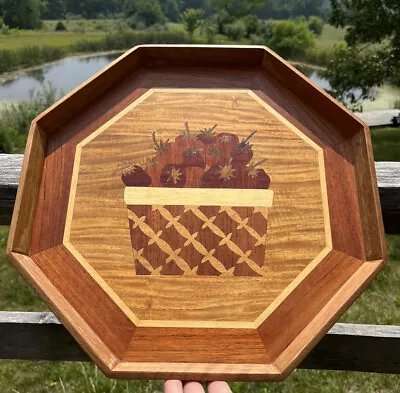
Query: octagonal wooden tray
x,y
198,212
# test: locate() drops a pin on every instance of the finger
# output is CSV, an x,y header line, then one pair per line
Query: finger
x,y
218,387
173,386
193,387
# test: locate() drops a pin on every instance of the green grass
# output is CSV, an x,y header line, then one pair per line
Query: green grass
x,y
85,25
23,39
330,36
386,143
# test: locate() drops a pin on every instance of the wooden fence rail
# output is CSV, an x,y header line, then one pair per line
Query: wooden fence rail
x,y
355,347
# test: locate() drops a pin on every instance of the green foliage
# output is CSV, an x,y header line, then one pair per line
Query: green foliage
x,y
319,57
23,14
291,39
353,72
127,39
288,9
367,22
221,19
56,9
15,118
252,25
386,145
236,30
60,26
170,8
4,29
191,19
28,56
210,29
143,12
316,25
93,8
238,8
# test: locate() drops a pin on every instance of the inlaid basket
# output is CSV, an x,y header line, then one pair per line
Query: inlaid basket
x,y
198,231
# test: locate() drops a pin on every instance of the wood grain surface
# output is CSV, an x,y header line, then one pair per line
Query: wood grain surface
x,y
98,214
71,223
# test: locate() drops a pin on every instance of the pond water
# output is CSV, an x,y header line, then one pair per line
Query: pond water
x,y
70,72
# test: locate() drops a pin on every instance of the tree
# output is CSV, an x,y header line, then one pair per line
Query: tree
x,y
23,14
56,9
170,8
366,22
291,38
353,73
238,8
278,9
316,25
146,12
235,30
191,19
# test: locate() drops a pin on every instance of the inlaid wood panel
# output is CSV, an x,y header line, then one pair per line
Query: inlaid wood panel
x,y
198,212
98,227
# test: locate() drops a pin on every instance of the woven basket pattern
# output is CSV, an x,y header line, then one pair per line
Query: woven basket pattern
x,y
198,240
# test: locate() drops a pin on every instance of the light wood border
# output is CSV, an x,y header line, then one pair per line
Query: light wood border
x,y
198,196
187,323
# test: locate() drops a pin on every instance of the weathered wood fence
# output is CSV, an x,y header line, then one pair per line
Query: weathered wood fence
x,y
356,347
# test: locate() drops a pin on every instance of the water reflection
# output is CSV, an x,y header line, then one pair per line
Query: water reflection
x,y
64,75
69,73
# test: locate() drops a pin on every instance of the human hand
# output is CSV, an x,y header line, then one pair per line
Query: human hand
x,y
175,386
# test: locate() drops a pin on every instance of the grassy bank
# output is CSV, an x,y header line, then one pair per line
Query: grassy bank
x,y
31,55
20,49
25,39
386,144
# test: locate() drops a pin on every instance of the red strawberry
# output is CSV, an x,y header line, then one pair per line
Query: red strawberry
x,y
219,176
241,175
225,144
207,136
211,178
137,177
257,177
194,156
243,152
213,155
187,141
193,177
173,175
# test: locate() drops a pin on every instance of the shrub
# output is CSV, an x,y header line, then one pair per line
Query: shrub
x,y
15,118
252,24
28,56
316,25
148,12
222,19
5,29
266,29
191,19
257,40
291,39
210,30
235,30
320,57
60,26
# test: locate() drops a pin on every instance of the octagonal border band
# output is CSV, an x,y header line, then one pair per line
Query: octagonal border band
x,y
198,323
